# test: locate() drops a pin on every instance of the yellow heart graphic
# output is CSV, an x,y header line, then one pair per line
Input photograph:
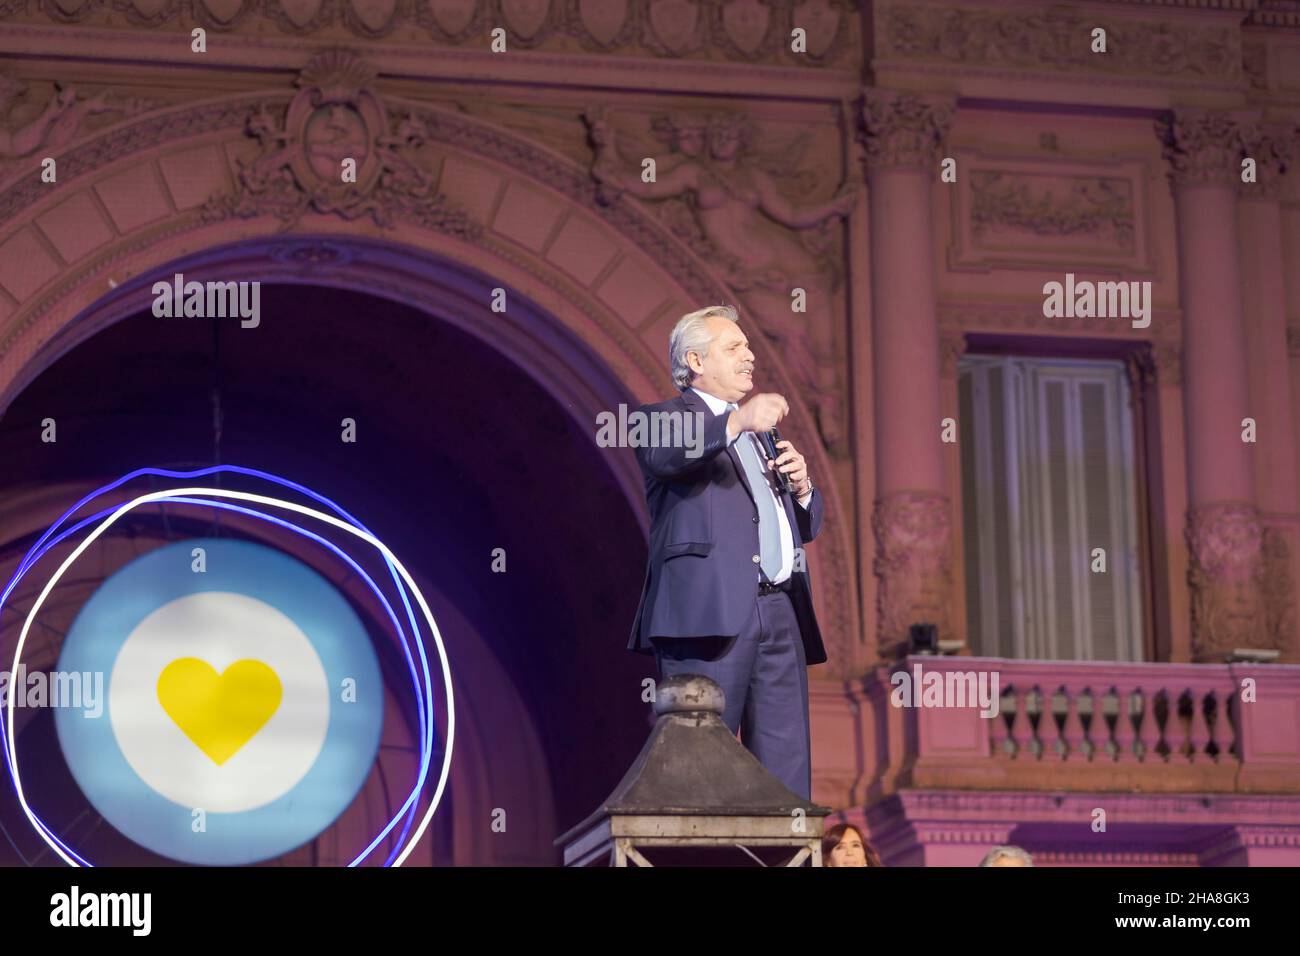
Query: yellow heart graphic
x,y
220,713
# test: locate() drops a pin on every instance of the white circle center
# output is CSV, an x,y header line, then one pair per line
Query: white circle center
x,y
219,628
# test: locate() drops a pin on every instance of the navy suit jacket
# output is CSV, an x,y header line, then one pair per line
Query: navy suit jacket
x,y
701,578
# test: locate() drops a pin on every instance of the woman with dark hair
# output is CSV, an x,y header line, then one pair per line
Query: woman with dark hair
x,y
844,845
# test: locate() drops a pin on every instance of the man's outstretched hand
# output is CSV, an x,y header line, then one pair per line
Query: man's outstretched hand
x,y
759,414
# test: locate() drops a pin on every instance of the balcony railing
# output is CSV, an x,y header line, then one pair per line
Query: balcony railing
x,y
1070,725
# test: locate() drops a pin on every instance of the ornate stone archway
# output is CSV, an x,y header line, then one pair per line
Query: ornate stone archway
x,y
434,190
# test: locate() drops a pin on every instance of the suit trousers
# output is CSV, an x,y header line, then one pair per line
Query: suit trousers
x,y
764,677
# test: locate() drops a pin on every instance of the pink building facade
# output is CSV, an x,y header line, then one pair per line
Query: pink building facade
x,y
886,192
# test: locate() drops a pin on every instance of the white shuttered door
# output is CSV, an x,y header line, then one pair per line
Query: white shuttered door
x,y
1047,489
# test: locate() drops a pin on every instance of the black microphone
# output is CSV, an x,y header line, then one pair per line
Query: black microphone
x,y
768,440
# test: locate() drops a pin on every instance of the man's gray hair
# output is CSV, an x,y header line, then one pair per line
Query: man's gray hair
x,y
691,334
1014,852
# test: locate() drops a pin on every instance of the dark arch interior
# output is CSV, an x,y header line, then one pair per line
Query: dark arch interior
x,y
458,452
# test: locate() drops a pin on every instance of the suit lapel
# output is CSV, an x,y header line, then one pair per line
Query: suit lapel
x,y
740,468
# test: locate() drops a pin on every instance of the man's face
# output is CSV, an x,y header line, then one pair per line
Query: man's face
x,y
728,370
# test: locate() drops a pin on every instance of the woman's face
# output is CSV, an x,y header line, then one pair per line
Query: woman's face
x,y
849,851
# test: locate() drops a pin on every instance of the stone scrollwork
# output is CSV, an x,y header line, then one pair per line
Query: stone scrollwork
x,y
337,151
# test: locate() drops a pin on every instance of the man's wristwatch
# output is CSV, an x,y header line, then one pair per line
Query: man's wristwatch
x,y
808,492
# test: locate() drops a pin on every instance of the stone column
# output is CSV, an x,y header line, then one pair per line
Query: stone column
x,y
912,513
1263,267
1204,150
952,346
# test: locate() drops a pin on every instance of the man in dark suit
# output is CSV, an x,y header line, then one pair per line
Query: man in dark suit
x,y
726,589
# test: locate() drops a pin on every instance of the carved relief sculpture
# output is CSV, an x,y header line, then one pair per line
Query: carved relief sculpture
x,y
721,197
58,122
914,564
1230,579
337,151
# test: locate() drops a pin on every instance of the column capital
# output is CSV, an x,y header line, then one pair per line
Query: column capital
x,y
952,346
903,129
1205,147
1159,363
1167,363
1272,146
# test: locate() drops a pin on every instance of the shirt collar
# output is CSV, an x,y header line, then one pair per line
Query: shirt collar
x,y
716,405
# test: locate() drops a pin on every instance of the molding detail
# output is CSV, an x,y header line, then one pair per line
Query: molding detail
x,y
996,317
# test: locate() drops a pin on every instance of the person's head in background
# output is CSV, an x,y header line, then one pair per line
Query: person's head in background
x,y
843,845
1007,856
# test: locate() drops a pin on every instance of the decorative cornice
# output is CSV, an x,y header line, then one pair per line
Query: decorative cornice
x,y
1057,39
1166,324
1275,13
1227,6
741,31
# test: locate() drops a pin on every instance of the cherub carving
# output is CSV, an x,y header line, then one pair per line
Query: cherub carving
x,y
722,197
